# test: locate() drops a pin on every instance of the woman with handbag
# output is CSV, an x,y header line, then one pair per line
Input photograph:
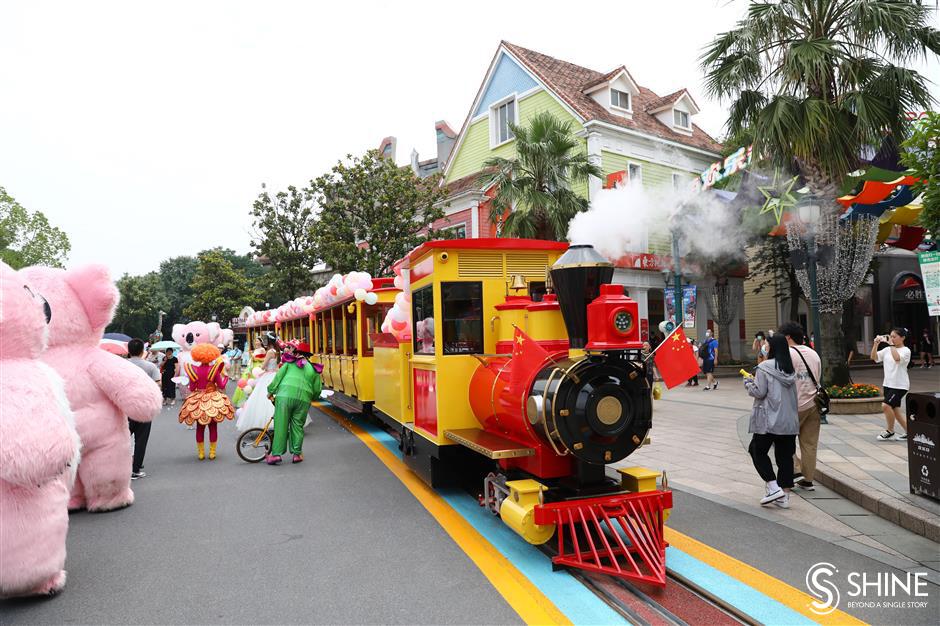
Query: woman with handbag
x,y
774,421
808,368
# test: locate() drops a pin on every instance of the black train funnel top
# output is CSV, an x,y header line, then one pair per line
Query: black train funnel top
x,y
577,278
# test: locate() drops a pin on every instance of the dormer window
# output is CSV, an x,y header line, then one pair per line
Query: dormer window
x,y
502,114
681,119
620,99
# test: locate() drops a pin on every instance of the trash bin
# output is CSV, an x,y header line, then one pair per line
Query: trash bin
x,y
923,435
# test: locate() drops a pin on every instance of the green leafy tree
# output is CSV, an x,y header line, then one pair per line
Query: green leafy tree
x,y
218,289
28,238
176,276
142,299
922,155
373,213
283,226
816,81
534,186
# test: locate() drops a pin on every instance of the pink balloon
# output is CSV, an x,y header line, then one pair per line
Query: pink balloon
x,y
242,383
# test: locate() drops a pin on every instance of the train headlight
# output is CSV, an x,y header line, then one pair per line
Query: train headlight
x,y
623,322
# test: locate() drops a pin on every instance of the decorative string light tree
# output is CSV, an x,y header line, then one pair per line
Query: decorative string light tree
x,y
723,300
852,245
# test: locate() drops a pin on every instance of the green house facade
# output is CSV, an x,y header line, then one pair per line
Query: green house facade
x,y
633,134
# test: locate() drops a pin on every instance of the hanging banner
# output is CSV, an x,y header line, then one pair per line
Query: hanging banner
x,y
930,272
688,305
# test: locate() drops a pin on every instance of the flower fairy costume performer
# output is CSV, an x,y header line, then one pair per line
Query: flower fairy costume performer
x,y
257,409
296,384
256,360
207,405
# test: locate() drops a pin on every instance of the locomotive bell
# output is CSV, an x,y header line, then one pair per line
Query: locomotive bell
x,y
577,277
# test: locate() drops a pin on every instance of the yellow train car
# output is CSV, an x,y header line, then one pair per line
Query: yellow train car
x,y
462,294
343,340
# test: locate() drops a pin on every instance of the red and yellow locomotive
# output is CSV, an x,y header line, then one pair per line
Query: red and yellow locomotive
x,y
522,378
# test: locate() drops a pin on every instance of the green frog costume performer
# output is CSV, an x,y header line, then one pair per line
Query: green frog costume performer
x,y
296,384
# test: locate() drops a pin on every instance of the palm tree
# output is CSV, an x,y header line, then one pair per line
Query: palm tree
x,y
815,82
535,186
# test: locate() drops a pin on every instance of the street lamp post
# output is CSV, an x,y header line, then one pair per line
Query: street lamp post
x,y
677,279
809,215
809,211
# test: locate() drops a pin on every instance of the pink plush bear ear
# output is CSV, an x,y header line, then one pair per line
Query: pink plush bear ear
x,y
98,295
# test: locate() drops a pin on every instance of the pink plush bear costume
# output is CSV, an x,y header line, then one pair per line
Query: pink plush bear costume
x,y
38,448
103,389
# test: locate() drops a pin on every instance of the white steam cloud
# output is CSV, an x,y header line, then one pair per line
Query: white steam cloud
x,y
627,218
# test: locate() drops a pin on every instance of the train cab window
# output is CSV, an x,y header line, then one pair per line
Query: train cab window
x,y
338,330
374,315
537,290
422,313
328,331
351,334
463,317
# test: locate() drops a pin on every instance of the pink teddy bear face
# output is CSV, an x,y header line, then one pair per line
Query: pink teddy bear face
x,y
83,298
24,315
188,335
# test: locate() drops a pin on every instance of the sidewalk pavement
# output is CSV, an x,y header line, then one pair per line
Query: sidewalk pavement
x,y
874,474
700,439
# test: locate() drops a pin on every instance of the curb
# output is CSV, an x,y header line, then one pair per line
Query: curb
x,y
893,509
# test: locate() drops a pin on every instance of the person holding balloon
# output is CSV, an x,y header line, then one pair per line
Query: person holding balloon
x,y
257,409
255,361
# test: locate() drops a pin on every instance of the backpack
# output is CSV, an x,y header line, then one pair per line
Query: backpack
x,y
708,350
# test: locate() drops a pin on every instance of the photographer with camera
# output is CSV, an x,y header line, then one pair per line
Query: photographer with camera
x,y
895,357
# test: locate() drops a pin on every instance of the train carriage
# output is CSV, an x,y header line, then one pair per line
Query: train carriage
x,y
344,335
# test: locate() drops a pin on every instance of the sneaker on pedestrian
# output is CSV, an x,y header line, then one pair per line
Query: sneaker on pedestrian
x,y
806,485
716,384
706,388
784,502
136,475
298,458
902,437
771,496
272,459
886,436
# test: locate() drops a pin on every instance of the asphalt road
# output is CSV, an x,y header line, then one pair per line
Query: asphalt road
x,y
336,539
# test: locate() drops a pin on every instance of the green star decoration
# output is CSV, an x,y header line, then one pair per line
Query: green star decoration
x,y
778,196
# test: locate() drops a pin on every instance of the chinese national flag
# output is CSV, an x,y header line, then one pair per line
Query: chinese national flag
x,y
675,359
527,356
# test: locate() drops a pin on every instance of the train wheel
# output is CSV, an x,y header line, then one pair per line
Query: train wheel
x,y
250,451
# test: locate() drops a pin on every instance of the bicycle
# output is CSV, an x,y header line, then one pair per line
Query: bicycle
x,y
254,444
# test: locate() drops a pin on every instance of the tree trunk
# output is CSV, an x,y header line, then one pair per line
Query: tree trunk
x,y
835,371
794,296
724,343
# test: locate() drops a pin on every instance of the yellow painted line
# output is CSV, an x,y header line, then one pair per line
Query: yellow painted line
x,y
772,587
524,597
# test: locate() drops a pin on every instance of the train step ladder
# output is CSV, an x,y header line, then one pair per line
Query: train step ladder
x,y
620,535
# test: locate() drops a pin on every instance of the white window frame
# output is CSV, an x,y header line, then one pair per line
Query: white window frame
x,y
466,230
639,170
628,108
494,119
688,117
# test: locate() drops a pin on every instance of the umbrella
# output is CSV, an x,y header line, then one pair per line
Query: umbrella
x,y
163,345
114,347
118,336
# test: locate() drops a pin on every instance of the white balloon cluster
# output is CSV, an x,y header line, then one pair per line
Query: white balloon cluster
x,y
353,284
398,320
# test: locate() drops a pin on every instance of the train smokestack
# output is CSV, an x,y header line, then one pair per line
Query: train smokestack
x,y
577,278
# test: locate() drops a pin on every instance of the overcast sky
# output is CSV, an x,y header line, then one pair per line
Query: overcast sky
x,y
145,130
